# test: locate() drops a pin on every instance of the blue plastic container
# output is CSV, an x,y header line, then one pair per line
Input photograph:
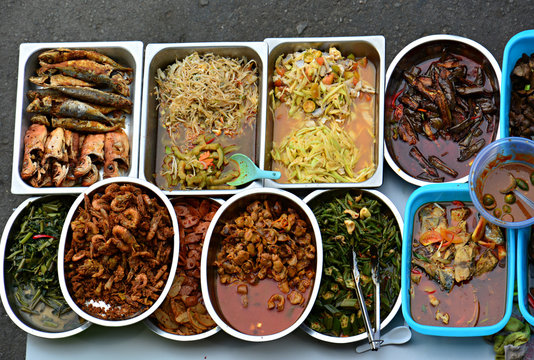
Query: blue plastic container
x,y
518,150
523,237
444,193
520,43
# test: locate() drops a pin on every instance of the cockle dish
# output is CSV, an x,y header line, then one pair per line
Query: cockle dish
x,y
261,265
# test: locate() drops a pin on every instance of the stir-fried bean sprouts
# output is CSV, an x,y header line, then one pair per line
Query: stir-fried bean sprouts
x,y
208,93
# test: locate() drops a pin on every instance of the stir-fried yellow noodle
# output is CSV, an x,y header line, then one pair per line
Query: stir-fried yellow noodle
x,y
208,93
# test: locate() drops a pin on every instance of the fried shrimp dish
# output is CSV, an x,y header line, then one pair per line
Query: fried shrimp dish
x,y
118,259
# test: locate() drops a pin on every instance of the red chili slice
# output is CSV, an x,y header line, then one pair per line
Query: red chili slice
x,y
40,236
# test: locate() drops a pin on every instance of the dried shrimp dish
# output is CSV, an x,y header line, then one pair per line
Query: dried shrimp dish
x,y
359,221
265,267
79,108
183,311
324,117
208,97
31,266
119,252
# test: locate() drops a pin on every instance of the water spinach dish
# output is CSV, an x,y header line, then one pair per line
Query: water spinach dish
x,y
356,221
31,267
459,267
323,106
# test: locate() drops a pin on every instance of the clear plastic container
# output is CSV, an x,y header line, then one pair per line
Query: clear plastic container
x,y
510,149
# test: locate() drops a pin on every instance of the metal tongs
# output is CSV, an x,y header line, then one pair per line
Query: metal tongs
x,y
359,294
375,276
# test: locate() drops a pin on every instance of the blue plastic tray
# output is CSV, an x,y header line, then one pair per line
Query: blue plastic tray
x,y
442,193
523,237
520,43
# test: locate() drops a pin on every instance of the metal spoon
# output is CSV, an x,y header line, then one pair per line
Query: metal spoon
x,y
375,276
524,198
248,171
361,301
398,335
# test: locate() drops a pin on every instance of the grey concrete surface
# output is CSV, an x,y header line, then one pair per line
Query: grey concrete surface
x,y
491,23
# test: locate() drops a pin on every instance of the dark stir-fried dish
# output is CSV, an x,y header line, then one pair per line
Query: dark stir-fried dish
x,y
361,222
80,107
522,98
497,193
444,112
31,267
118,258
183,311
458,274
265,267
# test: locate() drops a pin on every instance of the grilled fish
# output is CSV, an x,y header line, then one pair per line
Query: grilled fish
x,y
84,125
95,96
61,54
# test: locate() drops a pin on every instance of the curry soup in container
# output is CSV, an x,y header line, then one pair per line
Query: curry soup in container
x,y
203,102
457,268
78,115
441,108
324,122
261,264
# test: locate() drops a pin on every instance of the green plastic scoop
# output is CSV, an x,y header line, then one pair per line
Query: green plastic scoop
x,y
248,171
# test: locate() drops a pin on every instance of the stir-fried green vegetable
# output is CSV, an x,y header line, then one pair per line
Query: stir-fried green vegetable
x,y
203,166
320,154
361,221
32,262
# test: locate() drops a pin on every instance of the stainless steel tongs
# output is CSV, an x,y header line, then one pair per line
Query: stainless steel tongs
x,y
375,276
361,300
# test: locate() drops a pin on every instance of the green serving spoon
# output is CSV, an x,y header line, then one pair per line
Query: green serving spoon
x,y
248,171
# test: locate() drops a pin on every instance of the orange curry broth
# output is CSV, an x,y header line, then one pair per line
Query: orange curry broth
x,y
361,126
460,301
256,319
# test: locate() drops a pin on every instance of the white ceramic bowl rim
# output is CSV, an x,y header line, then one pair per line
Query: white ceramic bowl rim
x,y
3,293
395,309
428,39
319,261
63,240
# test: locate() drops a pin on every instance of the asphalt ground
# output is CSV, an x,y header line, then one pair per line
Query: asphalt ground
x,y
491,23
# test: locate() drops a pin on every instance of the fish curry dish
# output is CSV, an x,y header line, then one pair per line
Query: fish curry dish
x,y
458,273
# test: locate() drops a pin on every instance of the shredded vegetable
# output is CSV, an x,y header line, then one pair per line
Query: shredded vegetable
x,y
320,85
207,93
321,154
